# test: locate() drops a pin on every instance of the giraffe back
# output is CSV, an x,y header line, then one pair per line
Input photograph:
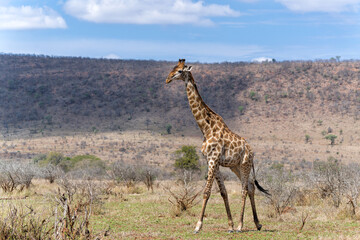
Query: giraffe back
x,y
234,149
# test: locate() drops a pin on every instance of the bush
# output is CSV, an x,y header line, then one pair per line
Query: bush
x,y
51,173
84,163
187,158
19,224
184,195
330,179
78,166
280,183
332,138
241,109
148,174
168,129
125,173
16,175
253,96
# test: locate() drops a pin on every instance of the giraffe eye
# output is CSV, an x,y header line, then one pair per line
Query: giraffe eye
x,y
180,71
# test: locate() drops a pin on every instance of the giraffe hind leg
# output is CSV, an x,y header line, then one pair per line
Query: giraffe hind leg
x,y
224,195
251,188
243,175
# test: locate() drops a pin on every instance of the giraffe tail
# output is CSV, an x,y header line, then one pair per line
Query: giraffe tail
x,y
261,189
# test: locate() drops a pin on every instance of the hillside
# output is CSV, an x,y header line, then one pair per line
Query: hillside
x,y
273,105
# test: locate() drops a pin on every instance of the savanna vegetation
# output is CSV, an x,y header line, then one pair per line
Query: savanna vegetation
x,y
46,93
102,149
139,201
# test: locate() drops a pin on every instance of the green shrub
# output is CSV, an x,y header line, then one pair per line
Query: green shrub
x,y
53,158
241,109
332,138
168,128
266,98
82,162
253,96
79,162
187,158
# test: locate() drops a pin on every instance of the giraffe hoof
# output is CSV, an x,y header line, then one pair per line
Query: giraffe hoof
x,y
238,231
196,232
230,231
259,227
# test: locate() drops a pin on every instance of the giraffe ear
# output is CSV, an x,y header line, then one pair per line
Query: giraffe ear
x,y
188,68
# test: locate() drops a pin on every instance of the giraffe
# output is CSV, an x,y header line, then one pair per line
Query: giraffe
x,y
221,147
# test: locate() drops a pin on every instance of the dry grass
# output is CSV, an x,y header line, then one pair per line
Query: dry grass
x,y
147,215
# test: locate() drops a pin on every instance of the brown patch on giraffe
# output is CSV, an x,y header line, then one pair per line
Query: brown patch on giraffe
x,y
206,127
216,129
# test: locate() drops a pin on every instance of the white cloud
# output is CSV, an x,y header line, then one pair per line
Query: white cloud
x,y
262,59
321,5
147,11
112,56
27,17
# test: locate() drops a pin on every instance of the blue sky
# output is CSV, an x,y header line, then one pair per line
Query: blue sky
x,y
205,31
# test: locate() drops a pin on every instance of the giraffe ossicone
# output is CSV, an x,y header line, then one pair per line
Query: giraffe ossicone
x,y
221,147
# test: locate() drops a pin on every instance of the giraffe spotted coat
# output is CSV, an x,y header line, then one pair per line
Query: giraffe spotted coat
x,y
221,147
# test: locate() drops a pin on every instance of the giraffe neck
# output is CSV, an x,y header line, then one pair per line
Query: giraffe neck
x,y
202,113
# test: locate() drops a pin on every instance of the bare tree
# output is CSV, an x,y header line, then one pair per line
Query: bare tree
x,y
51,173
148,174
184,194
125,173
72,214
16,175
329,177
352,185
280,183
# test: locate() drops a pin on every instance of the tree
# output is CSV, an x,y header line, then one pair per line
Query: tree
x,y
51,172
122,172
329,177
54,163
280,183
352,185
148,174
168,129
53,158
332,138
187,158
16,174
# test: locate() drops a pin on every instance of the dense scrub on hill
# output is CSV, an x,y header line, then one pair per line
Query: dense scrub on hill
x,y
58,91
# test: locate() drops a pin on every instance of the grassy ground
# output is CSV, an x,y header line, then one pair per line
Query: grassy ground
x,y
146,215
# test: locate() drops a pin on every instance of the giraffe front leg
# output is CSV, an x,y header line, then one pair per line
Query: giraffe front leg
x,y
213,167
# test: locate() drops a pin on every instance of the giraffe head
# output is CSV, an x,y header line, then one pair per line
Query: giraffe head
x,y
179,71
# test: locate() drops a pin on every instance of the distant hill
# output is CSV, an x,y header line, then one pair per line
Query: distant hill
x,y
41,93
